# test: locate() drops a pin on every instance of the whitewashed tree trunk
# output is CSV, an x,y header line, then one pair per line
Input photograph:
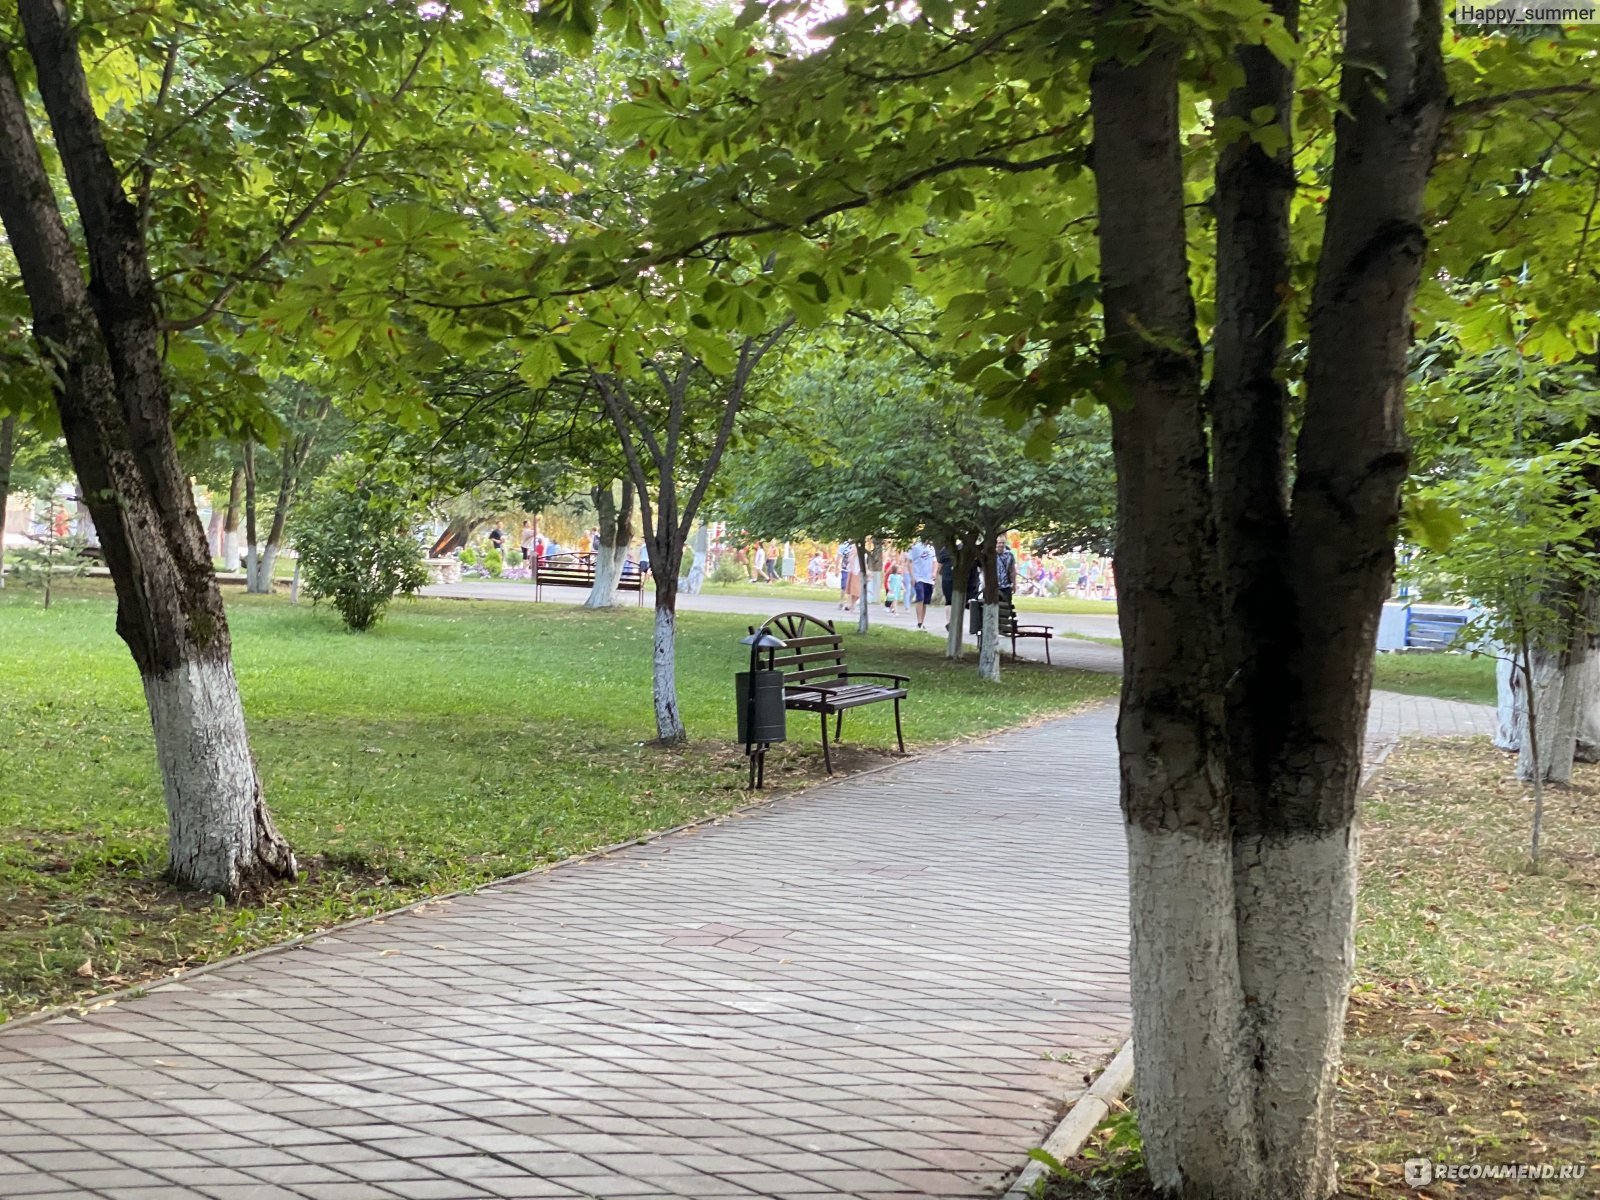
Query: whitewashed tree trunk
x,y
265,566
230,521
616,531
219,828
1508,704
1192,1075
1295,900
1557,721
1584,678
664,679
608,565
989,647
955,640
112,397
871,565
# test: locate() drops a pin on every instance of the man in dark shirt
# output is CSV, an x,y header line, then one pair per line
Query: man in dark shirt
x,y
1005,569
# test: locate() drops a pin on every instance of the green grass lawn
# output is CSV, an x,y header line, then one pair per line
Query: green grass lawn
x,y
1445,676
458,742
803,591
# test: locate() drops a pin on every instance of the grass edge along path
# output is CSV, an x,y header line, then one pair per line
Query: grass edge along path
x,y
455,745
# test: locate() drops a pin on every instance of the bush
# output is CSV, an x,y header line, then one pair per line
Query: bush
x,y
728,571
495,563
355,543
469,557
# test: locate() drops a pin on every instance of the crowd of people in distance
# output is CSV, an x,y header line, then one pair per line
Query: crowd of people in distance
x,y
908,580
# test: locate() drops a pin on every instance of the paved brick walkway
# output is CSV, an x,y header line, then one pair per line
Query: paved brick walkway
x,y
880,988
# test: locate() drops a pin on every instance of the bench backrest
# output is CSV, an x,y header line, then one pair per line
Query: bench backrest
x,y
564,568
813,650
1008,618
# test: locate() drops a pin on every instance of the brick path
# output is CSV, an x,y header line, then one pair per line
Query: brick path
x,y
850,993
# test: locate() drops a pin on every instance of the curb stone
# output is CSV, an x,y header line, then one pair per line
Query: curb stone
x,y
1069,1136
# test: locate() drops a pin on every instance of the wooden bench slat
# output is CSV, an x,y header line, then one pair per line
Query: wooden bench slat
x,y
834,671
785,661
832,639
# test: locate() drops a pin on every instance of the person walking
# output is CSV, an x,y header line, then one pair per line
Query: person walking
x,y
759,566
847,568
920,560
895,590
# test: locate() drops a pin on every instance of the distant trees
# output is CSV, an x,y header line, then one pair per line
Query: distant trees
x,y
875,440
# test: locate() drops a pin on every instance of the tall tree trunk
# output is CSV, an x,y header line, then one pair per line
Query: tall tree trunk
x,y
116,415
1586,682
252,546
989,647
296,452
960,569
1559,678
1241,728
1509,700
230,523
616,533
1563,681
8,451
869,564
664,649
1192,1075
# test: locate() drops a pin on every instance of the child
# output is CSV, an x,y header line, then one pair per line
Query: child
x,y
896,591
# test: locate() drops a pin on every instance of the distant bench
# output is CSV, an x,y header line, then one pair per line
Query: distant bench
x,y
577,570
1011,628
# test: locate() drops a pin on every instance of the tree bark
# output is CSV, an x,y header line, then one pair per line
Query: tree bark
x,y
1556,713
252,546
116,415
869,563
1509,700
1248,649
1586,681
8,450
989,646
616,533
670,728
230,523
961,568
296,453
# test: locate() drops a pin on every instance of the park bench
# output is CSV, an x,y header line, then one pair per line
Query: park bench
x,y
1011,628
577,570
817,678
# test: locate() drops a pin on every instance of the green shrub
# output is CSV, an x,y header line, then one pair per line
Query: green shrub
x,y
356,546
494,563
469,557
728,571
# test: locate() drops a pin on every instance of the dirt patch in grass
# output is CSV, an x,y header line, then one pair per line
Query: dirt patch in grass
x,y
1474,1027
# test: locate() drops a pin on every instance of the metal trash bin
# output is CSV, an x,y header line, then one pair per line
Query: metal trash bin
x,y
762,717
975,617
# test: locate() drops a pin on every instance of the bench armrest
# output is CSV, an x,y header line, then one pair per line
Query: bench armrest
x,y
875,675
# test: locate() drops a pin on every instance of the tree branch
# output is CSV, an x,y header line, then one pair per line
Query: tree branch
x,y
307,211
1482,104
